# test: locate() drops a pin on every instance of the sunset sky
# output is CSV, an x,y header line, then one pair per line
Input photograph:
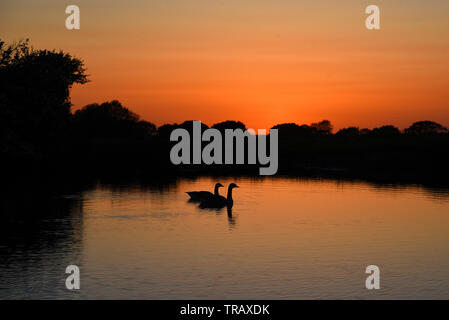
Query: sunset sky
x,y
261,62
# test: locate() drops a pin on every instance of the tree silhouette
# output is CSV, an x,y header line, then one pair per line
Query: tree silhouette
x,y
229,124
323,127
349,132
287,128
34,95
365,131
188,125
386,131
292,130
165,130
110,120
425,128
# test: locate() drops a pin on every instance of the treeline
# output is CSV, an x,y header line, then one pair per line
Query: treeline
x,y
39,133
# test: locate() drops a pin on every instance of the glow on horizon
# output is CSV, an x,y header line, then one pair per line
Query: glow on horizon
x,y
261,62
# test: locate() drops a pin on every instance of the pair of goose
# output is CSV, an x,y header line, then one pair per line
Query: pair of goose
x,y
213,200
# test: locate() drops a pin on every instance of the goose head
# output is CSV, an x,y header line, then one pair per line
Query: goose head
x,y
217,186
229,198
232,186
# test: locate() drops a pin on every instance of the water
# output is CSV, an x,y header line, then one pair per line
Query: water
x,y
285,239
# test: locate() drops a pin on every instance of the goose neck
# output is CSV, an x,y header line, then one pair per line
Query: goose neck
x,y
229,193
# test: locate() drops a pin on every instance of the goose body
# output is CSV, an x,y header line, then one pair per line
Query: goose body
x,y
218,201
204,195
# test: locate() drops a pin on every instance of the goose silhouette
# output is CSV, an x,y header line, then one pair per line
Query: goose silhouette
x,y
198,196
218,201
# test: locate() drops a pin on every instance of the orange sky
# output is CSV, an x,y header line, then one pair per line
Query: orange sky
x,y
262,62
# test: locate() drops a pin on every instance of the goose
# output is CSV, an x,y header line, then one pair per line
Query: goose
x,y
204,195
220,201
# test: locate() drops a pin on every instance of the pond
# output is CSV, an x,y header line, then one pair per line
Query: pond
x,y
285,238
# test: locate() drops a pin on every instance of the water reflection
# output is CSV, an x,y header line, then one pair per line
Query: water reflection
x,y
217,211
39,237
284,238
231,218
